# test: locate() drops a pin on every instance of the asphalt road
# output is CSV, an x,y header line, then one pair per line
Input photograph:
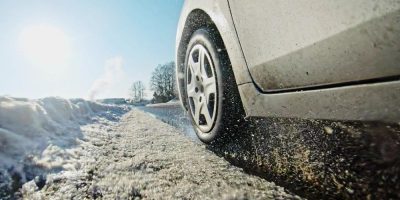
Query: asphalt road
x,y
312,158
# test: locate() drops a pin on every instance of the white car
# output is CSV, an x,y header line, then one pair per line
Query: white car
x,y
312,59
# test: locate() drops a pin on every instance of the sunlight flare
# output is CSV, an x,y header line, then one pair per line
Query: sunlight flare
x,y
45,45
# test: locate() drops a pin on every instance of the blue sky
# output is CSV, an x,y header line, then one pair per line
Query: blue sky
x,y
136,34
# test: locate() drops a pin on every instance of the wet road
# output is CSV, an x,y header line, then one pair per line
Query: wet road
x,y
312,158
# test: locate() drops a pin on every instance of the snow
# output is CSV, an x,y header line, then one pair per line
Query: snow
x,y
55,148
35,134
141,157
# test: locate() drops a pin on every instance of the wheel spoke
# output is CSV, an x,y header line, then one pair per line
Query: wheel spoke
x,y
197,111
209,86
191,86
191,89
203,66
208,81
192,66
206,114
201,61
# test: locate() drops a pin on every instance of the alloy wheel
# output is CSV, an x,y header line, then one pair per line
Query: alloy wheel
x,y
201,84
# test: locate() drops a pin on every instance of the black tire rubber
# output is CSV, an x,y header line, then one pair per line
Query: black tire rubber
x,y
230,112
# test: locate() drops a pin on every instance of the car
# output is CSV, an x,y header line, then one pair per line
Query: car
x,y
309,59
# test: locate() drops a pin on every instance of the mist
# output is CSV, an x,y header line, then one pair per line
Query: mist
x,y
111,79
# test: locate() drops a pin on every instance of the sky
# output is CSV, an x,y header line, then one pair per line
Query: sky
x,y
77,49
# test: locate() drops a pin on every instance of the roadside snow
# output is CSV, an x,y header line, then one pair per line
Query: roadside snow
x,y
36,136
144,158
54,148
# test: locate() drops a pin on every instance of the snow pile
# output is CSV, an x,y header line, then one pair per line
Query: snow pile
x,y
34,132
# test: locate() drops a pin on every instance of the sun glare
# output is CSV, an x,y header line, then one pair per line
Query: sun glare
x,y
45,45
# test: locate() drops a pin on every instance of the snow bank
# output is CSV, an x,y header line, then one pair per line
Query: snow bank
x,y
44,127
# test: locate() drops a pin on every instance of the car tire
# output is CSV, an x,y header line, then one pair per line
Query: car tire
x,y
224,109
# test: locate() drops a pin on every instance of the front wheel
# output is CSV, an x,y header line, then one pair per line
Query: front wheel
x,y
213,99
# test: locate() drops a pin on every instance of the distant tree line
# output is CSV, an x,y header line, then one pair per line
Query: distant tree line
x,y
137,91
163,83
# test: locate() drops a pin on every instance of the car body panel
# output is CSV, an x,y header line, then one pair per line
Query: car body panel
x,y
307,43
364,102
375,101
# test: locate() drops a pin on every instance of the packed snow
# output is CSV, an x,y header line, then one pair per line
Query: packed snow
x,y
141,157
36,135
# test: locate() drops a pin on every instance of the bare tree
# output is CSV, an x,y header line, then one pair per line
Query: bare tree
x,y
163,82
137,91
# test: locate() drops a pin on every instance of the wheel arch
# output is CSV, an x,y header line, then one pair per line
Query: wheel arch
x,y
217,18
196,20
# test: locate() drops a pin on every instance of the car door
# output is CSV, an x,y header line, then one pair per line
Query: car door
x,y
306,43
